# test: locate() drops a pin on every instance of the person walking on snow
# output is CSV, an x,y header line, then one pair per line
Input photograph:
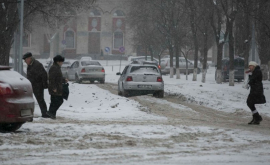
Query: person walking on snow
x,y
37,75
256,95
56,81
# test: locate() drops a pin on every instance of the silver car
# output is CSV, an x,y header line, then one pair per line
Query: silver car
x,y
165,65
64,67
86,70
140,79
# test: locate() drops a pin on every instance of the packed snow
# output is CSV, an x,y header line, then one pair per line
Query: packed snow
x,y
93,127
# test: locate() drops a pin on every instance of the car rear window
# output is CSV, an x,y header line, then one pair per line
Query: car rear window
x,y
143,69
239,63
85,63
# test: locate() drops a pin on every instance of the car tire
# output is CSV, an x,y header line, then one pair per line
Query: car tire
x,y
77,79
10,127
159,94
119,91
126,93
102,81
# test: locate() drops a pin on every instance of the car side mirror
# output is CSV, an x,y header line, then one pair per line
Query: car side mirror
x,y
118,73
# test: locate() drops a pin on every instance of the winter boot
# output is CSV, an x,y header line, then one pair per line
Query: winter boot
x,y
252,121
51,115
257,119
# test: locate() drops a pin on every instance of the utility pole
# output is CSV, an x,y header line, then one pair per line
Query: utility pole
x,y
21,39
253,42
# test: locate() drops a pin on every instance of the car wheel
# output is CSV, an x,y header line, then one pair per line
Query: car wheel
x,y
159,94
77,79
125,92
10,127
119,91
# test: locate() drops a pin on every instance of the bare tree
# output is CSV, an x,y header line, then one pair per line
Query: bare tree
x,y
229,8
193,15
39,11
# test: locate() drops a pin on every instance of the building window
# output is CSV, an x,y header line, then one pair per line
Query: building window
x,y
118,13
70,39
118,39
94,13
26,40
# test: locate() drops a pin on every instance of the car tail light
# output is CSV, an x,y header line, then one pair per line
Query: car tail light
x,y
11,116
83,70
129,78
159,79
103,70
159,66
5,89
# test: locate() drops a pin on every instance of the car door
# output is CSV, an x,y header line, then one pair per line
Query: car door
x,y
122,78
72,70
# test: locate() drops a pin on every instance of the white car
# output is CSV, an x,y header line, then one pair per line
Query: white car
x,y
86,69
165,65
137,79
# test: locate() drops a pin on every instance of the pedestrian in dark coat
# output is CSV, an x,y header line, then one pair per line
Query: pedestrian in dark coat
x,y
56,81
256,95
37,75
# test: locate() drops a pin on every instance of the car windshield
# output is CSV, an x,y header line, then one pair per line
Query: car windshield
x,y
239,63
85,63
144,69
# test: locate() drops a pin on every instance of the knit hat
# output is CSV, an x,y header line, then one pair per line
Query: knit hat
x,y
253,63
58,58
26,55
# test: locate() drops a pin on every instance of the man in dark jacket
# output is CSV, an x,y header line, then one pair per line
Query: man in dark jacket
x,y
37,75
56,81
256,95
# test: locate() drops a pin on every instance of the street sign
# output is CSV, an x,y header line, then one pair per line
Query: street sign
x,y
64,42
107,49
122,49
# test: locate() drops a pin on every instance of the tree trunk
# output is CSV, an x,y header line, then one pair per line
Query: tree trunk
x,y
219,77
171,61
231,54
231,78
264,69
177,61
5,47
203,75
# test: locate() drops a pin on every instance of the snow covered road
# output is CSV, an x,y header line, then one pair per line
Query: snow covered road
x,y
98,127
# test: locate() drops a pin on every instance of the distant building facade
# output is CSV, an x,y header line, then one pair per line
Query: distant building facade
x,y
87,34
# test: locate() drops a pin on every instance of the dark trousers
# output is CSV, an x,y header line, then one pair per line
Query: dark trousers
x,y
39,94
56,102
251,104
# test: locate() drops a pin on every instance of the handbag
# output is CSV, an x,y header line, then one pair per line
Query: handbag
x,y
65,93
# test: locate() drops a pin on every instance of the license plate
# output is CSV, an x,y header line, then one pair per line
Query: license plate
x,y
26,112
144,86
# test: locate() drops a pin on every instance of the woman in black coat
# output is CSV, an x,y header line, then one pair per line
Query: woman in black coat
x,y
256,95
56,81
